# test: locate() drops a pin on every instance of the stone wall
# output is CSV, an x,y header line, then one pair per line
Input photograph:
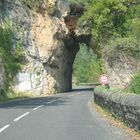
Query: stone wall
x,y
124,107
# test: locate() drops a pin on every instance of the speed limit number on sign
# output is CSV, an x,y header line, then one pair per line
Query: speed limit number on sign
x,y
104,79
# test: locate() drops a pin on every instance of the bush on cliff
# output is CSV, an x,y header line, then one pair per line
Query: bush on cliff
x,y
135,85
11,56
109,20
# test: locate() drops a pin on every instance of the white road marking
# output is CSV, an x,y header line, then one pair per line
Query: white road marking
x,y
38,107
71,95
74,95
51,101
59,94
3,128
15,120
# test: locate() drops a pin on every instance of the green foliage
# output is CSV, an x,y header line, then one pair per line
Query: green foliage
x,y
86,67
85,2
135,85
129,45
112,19
12,95
11,56
105,89
33,4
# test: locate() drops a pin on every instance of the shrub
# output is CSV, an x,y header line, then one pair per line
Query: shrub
x,y
110,20
11,56
32,4
135,84
105,89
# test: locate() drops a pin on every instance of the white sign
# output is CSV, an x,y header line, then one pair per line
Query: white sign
x,y
104,79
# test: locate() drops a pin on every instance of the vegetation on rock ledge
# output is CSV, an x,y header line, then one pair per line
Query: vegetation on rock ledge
x,y
135,85
11,56
115,26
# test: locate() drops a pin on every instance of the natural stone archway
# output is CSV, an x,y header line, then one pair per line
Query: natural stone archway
x,y
58,53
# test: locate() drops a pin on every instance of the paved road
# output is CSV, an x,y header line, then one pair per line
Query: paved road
x,y
61,117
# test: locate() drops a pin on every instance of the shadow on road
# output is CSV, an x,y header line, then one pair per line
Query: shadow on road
x,y
34,102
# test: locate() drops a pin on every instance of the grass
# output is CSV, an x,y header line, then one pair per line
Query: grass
x,y
105,89
13,96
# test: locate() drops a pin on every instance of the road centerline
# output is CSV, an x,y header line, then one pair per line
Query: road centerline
x,y
74,95
71,95
51,101
5,127
25,114
38,107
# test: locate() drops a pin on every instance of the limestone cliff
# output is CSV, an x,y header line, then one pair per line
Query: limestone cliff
x,y
49,43
121,66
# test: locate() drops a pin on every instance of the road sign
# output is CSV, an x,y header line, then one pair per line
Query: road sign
x,y
104,79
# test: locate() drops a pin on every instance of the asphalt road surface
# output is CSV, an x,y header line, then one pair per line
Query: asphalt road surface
x,y
62,117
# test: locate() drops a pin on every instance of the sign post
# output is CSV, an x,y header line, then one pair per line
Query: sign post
x,y
104,79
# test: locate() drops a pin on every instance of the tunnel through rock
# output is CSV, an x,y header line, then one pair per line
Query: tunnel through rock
x,y
62,71
60,64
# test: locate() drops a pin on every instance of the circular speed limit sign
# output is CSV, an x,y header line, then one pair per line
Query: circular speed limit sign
x,y
104,79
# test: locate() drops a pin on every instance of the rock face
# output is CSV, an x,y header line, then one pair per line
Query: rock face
x,y
50,49
120,68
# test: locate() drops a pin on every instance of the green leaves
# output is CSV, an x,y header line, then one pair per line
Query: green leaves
x,y
12,56
135,85
86,67
32,4
112,17
5,35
